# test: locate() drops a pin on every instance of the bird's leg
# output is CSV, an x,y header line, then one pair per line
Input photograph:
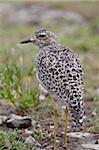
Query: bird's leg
x,y
54,126
66,124
54,111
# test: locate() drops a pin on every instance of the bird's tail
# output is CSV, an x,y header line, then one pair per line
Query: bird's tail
x,y
77,113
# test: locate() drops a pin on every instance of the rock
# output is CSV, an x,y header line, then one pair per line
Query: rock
x,y
52,14
80,135
97,91
93,114
43,93
97,141
17,121
2,119
51,126
33,123
28,132
91,146
42,97
6,109
40,149
36,14
31,140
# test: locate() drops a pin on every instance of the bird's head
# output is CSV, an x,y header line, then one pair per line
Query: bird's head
x,y
42,38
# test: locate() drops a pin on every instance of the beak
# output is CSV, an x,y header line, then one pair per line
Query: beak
x,y
29,40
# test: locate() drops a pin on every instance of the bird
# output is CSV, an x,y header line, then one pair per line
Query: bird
x,y
60,72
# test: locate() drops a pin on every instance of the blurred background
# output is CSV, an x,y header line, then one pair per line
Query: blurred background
x,y
76,23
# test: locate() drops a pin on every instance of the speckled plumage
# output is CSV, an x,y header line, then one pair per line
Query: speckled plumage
x,y
59,71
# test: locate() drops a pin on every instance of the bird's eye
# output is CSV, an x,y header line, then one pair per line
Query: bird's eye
x,y
42,35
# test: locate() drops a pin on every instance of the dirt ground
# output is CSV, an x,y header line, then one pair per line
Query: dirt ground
x,y
77,139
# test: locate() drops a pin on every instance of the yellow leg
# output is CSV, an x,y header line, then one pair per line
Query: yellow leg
x,y
54,111
54,126
66,124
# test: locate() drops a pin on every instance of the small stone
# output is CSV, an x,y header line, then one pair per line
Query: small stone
x,y
17,121
79,134
28,132
93,114
49,135
6,109
57,141
43,93
31,140
45,144
39,126
97,90
2,119
42,97
51,147
51,126
63,107
91,146
97,141
40,149
33,123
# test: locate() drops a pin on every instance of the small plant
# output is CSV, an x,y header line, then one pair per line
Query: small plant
x,y
1,139
9,140
32,70
20,145
11,80
15,88
38,134
95,120
29,99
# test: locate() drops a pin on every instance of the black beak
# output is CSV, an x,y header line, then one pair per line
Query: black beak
x,y
29,40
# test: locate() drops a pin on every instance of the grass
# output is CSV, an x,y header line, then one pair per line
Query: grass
x,y
13,88
9,140
95,120
38,134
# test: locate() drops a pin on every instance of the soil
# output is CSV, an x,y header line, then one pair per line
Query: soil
x,y
44,122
